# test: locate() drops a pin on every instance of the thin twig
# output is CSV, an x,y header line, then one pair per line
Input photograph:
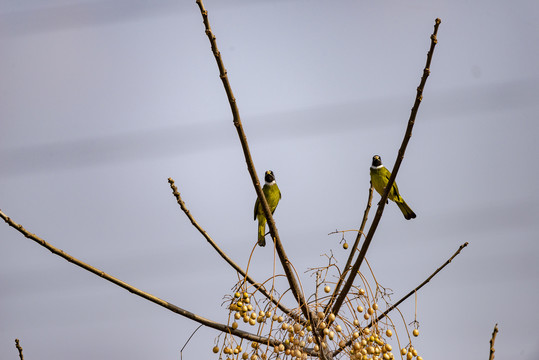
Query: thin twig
x,y
392,307
492,340
19,347
187,342
294,286
400,157
236,267
134,290
352,253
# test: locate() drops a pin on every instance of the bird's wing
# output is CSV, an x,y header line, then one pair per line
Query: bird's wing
x,y
256,207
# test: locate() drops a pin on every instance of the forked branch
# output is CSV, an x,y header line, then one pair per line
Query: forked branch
x,y
235,266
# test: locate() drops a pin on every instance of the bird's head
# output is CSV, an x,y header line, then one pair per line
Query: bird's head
x,y
376,161
269,177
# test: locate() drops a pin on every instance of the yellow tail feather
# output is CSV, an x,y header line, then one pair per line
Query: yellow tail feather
x,y
261,231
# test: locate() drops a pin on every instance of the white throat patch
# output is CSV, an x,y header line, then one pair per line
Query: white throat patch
x,y
377,167
270,183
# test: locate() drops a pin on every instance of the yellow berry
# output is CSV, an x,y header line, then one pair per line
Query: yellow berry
x,y
361,292
338,328
237,295
409,356
215,349
389,332
419,358
345,246
321,315
327,288
415,332
234,325
366,316
360,308
252,321
356,322
370,311
404,351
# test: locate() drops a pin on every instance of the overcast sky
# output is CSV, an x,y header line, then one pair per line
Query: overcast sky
x,y
102,101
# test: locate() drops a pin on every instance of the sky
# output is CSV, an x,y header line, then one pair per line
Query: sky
x,y
102,101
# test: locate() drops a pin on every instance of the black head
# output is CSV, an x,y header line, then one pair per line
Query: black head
x,y
376,160
269,177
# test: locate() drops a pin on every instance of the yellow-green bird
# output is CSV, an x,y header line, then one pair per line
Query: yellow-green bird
x,y
379,178
273,195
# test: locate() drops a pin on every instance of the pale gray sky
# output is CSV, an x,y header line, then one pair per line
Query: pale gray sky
x,y
102,101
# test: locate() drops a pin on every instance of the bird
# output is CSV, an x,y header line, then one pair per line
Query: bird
x,y
273,195
379,179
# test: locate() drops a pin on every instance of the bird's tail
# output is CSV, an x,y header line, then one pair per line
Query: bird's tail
x,y
261,231
406,211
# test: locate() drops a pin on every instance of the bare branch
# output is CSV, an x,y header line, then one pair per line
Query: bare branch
x,y
394,306
19,347
492,340
236,267
400,157
296,291
134,290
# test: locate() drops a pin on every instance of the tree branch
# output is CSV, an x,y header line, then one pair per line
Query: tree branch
x,y
19,347
492,340
296,291
400,157
134,290
236,267
392,307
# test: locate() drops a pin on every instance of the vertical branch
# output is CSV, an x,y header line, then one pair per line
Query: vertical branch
x,y
19,347
296,291
492,340
400,157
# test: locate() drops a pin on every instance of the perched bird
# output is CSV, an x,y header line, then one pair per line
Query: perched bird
x,y
379,179
273,195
